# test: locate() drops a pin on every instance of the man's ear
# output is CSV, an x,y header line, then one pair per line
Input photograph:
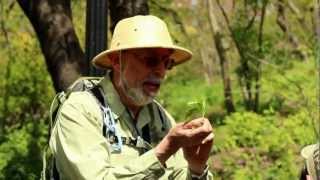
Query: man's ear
x,y
114,59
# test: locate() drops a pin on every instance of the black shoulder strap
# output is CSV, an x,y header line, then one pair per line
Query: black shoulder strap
x,y
163,128
146,129
55,172
146,133
304,173
97,91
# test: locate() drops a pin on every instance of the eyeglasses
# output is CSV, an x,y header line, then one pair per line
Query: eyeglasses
x,y
153,61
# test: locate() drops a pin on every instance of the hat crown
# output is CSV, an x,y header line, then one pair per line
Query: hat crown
x,y
141,31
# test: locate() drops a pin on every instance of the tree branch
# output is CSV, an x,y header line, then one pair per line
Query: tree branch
x,y
260,43
224,54
177,19
251,20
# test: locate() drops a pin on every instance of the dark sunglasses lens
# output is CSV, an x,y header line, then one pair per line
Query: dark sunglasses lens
x,y
152,62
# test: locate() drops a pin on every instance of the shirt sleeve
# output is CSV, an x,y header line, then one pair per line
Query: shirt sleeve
x,y
81,152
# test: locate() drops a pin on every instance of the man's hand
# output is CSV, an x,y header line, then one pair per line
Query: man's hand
x,y
197,155
193,133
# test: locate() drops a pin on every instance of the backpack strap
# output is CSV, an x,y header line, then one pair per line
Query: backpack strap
x,y
146,129
55,173
146,133
97,92
109,129
163,128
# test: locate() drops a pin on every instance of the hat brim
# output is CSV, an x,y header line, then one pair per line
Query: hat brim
x,y
308,150
179,55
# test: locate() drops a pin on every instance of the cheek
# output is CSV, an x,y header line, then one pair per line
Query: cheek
x,y
134,76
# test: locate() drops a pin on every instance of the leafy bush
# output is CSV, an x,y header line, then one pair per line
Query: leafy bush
x,y
26,91
21,152
251,146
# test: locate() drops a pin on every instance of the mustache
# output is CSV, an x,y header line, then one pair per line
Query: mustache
x,y
153,79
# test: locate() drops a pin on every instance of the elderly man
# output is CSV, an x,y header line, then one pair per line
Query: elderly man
x,y
131,136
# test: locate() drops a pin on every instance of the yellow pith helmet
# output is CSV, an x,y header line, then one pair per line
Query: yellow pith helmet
x,y
141,32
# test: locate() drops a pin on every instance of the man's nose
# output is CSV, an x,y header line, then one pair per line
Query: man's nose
x,y
160,69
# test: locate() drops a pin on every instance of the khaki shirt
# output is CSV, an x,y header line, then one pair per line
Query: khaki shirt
x,y
82,152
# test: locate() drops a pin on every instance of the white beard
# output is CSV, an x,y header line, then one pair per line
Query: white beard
x,y
137,96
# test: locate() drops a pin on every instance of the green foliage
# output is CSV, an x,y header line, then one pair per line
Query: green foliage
x,y
286,91
27,85
198,106
247,145
178,94
165,10
21,151
252,146
79,19
26,91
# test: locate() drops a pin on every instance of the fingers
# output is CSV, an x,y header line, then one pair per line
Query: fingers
x,y
196,123
198,131
208,138
194,132
204,152
200,126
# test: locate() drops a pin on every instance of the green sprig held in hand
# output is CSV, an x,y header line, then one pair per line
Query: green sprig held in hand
x,y
197,106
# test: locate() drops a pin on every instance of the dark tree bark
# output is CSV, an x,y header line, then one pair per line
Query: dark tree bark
x,y
244,77
222,37
218,39
282,21
52,22
120,9
260,43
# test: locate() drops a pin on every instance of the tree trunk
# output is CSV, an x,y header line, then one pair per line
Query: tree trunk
x,y
222,40
207,65
120,9
203,48
52,22
224,73
258,73
244,75
284,26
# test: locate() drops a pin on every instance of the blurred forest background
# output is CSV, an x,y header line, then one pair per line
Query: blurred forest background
x,y
254,74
